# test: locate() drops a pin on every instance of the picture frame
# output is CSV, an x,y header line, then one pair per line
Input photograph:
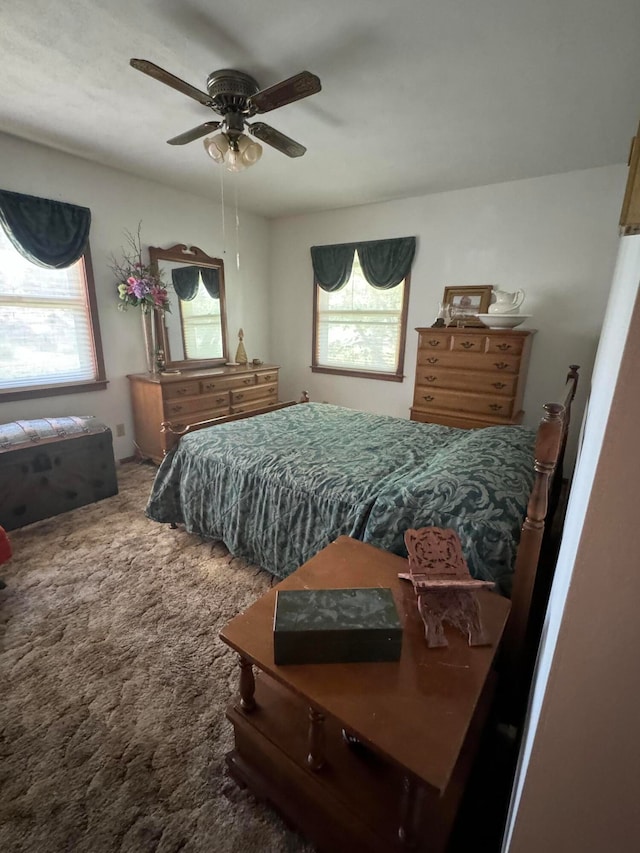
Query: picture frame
x,y
466,302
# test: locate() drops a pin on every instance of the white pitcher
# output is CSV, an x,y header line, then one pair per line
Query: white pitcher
x,y
503,302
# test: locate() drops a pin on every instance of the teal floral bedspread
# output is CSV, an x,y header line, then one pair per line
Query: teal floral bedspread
x,y
279,487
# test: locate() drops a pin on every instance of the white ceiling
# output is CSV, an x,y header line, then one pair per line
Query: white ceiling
x,y
418,96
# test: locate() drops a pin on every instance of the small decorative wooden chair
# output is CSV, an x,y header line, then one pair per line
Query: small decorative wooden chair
x,y
443,585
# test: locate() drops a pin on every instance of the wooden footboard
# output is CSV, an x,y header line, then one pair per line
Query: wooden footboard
x,y
551,442
173,432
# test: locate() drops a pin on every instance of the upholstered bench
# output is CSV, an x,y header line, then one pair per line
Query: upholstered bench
x,y
51,465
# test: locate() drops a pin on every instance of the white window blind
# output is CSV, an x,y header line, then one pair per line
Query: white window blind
x,y
359,327
45,327
201,325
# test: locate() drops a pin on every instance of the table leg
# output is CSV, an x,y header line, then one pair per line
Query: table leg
x,y
247,685
315,759
410,811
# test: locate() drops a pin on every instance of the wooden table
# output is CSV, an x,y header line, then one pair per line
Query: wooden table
x,y
418,720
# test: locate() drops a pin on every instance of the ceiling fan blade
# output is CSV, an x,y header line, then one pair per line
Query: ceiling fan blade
x,y
292,89
163,76
195,133
276,139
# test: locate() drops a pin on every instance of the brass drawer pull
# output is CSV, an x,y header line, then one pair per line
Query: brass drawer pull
x,y
429,398
495,407
267,377
504,347
430,378
501,365
181,390
248,381
434,343
272,390
467,344
176,409
210,386
499,385
433,360
221,399
239,396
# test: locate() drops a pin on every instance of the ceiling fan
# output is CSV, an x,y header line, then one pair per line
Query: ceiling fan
x,y
236,97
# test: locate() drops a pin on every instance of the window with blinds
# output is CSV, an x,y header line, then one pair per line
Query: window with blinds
x,y
360,327
46,331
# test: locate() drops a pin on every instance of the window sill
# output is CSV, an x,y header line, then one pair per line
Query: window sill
x,y
52,390
360,374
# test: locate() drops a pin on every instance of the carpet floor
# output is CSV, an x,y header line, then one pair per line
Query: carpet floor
x,y
113,687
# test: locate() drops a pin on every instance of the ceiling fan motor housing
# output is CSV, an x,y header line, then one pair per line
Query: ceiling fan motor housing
x,y
230,90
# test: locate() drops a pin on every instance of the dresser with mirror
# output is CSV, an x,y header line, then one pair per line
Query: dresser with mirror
x,y
196,382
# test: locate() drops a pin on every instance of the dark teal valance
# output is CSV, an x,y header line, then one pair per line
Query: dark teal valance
x,y
51,234
332,265
186,281
385,263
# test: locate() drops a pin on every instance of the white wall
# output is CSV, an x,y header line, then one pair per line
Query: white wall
x,y
119,201
555,237
578,783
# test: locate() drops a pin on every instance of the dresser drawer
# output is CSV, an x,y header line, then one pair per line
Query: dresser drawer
x,y
240,408
179,390
468,343
488,362
505,345
202,403
479,404
434,340
465,380
226,383
265,378
245,395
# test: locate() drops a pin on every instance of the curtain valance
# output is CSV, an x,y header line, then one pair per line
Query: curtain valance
x,y
187,279
385,263
51,234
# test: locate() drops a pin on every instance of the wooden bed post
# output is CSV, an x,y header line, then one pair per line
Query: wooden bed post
x,y
517,654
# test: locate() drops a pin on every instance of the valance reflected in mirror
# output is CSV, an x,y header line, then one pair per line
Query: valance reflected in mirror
x,y
194,334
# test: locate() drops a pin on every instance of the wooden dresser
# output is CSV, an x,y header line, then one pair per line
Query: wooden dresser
x,y
473,377
195,395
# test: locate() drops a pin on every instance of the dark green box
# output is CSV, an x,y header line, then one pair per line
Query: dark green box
x,y
336,626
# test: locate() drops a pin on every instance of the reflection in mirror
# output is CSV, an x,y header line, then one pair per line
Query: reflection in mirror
x,y
194,334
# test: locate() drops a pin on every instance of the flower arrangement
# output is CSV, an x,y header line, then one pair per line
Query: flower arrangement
x,y
138,284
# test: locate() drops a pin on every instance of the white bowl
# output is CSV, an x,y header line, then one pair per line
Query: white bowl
x,y
503,321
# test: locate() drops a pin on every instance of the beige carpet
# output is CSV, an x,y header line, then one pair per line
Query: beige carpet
x,y
113,687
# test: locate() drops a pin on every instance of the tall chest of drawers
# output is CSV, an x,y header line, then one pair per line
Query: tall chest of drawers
x,y
195,395
473,377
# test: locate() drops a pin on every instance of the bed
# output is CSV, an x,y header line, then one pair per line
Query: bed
x,y
278,487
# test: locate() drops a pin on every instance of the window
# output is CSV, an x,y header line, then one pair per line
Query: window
x,y
49,337
360,329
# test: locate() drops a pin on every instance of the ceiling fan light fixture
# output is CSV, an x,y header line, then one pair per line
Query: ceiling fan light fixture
x,y
216,147
235,153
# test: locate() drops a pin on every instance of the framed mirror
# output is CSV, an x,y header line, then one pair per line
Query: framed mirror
x,y
194,333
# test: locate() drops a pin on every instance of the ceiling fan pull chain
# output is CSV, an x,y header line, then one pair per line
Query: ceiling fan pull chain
x,y
224,235
237,228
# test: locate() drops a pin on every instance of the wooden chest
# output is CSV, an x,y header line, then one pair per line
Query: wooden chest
x,y
473,377
195,395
